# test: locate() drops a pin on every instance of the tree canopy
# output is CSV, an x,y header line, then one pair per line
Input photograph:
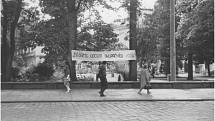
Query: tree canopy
x,y
196,29
147,40
54,33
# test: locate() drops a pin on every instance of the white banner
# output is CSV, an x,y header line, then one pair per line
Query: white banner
x,y
103,55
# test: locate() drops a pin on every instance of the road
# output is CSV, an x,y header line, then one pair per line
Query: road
x,y
109,111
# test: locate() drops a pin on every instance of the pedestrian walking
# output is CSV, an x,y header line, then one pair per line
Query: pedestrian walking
x,y
119,78
103,79
153,71
66,83
97,77
145,79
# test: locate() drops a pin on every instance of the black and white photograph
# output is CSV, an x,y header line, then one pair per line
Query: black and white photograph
x,y
107,60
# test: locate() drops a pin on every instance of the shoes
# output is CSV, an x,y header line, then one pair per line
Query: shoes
x,y
139,93
68,91
101,94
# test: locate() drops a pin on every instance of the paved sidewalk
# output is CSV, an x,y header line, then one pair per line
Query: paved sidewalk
x,y
90,95
109,111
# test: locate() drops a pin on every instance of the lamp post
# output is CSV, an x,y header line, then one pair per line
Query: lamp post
x,y
172,42
132,39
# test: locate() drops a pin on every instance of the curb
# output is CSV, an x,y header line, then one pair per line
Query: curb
x,y
119,100
111,85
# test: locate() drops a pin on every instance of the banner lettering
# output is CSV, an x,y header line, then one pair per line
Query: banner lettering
x,y
103,55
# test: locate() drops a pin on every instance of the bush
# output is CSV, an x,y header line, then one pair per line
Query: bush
x,y
29,75
15,72
34,77
44,70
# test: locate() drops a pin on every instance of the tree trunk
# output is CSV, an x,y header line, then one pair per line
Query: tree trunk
x,y
8,44
190,66
5,45
72,21
132,39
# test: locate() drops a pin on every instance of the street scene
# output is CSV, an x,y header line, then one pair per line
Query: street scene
x,y
106,60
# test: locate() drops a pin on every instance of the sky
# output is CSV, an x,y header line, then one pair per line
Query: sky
x,y
109,16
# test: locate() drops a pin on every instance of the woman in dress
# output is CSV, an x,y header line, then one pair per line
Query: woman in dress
x,y
145,79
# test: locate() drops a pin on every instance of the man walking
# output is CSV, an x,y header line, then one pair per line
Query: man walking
x,y
102,76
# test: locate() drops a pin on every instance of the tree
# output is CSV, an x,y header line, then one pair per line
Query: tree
x,y
203,31
10,16
72,15
101,38
157,28
134,8
147,40
161,21
158,24
183,30
196,30
59,35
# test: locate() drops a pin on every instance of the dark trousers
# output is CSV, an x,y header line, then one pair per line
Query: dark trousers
x,y
104,84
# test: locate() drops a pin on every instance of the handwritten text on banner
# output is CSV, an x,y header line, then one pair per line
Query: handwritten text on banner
x,y
103,55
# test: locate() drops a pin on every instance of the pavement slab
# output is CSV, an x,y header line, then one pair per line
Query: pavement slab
x,y
109,111
79,95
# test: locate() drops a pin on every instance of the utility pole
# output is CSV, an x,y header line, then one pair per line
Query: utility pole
x,y
172,42
132,39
